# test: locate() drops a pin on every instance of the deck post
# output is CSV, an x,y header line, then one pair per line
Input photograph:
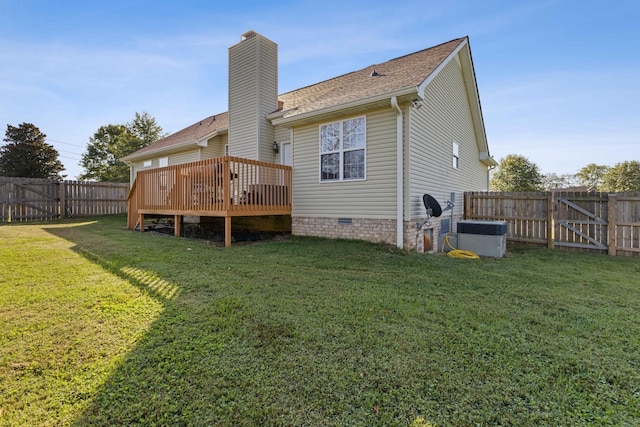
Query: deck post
x,y
227,231
177,220
141,222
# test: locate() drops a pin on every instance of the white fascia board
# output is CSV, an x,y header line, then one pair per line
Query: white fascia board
x,y
346,106
204,141
472,89
486,158
434,73
158,151
279,114
201,142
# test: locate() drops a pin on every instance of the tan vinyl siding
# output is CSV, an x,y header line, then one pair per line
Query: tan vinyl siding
x,y
252,95
173,159
243,113
184,157
137,166
214,148
444,117
374,197
282,135
268,98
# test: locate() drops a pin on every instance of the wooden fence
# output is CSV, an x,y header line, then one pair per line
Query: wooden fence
x,y
31,199
577,221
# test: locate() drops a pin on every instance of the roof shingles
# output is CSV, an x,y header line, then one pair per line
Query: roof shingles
x,y
405,71
192,133
399,73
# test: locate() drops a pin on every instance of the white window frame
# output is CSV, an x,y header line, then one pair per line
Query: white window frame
x,y
455,155
147,163
163,161
340,150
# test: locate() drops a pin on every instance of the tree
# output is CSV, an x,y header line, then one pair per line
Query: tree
x,y
111,143
516,173
624,176
27,155
591,175
552,181
104,151
145,128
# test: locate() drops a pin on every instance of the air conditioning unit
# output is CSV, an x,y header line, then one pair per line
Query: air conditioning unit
x,y
486,238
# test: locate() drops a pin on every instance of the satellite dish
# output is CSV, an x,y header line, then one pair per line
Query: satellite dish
x,y
432,205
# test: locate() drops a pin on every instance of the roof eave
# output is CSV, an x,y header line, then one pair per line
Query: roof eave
x,y
436,71
200,142
486,159
474,93
161,150
471,85
329,111
203,140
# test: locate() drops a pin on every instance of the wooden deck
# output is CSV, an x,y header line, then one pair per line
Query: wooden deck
x,y
220,187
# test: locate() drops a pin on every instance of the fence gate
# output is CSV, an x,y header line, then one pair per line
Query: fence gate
x,y
33,199
28,198
580,221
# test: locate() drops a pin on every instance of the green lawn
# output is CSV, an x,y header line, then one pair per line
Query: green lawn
x,y
101,326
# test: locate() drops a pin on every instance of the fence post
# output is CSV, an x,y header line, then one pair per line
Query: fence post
x,y
62,198
611,225
550,224
10,200
467,205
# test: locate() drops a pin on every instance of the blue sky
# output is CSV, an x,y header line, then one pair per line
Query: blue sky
x,y
559,81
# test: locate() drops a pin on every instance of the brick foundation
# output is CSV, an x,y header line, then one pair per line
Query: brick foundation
x,y
414,239
373,230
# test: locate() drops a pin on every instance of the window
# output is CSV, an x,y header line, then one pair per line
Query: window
x,y
342,150
147,164
163,161
455,155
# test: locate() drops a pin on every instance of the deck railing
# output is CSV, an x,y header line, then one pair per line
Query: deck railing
x,y
223,186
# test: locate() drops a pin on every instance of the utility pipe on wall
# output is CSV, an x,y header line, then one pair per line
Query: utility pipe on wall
x,y
399,174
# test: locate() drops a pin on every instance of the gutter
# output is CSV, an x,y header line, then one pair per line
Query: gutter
x,y
152,153
399,173
340,107
131,176
175,147
486,158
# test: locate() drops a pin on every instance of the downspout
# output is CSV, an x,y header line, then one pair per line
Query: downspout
x,y
131,176
399,174
489,169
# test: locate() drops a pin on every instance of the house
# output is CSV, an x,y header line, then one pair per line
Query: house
x,y
350,157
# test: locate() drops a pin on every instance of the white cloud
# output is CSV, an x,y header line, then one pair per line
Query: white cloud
x,y
69,90
561,108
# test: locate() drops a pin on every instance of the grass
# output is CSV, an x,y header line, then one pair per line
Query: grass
x,y
101,326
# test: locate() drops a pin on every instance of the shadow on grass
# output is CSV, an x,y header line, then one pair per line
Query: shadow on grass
x,y
248,335
190,366
311,332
